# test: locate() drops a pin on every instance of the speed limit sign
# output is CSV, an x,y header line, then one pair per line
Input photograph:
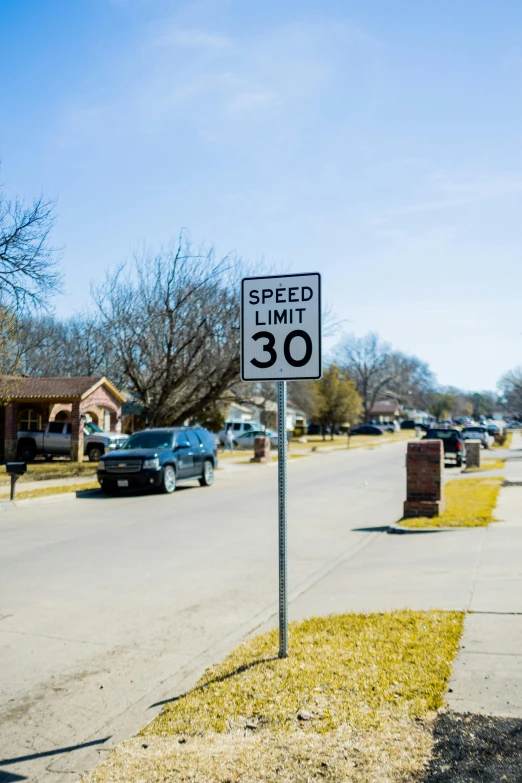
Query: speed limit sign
x,y
281,327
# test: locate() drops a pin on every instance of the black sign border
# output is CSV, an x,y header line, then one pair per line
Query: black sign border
x,y
279,378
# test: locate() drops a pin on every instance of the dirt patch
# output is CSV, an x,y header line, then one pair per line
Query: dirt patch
x,y
475,749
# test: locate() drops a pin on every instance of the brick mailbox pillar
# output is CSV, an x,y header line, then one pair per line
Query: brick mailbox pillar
x,y
261,449
76,434
473,454
11,431
424,479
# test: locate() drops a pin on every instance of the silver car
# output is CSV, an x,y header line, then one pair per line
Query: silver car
x,y
246,441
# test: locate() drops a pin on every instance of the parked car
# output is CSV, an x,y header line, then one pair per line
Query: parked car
x,y
366,429
452,441
411,424
246,441
159,459
478,432
55,441
238,428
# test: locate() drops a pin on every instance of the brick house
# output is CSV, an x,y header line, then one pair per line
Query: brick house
x,y
30,403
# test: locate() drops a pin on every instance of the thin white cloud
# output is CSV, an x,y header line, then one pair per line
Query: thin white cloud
x,y
449,193
192,38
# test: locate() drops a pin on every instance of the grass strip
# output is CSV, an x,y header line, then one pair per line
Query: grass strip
x,y
47,491
488,464
43,471
351,703
469,503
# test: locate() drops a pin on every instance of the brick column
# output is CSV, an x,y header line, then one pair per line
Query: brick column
x,y
424,479
473,454
11,430
76,434
261,449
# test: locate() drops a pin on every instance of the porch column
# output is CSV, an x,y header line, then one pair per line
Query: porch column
x,y
11,430
76,434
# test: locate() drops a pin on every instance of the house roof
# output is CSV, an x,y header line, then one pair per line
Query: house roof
x,y
385,409
54,389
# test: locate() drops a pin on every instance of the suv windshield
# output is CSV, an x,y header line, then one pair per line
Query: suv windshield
x,y
150,440
90,427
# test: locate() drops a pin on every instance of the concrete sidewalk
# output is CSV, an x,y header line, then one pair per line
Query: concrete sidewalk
x,y
487,677
477,570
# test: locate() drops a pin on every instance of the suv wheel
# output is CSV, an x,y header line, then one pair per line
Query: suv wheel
x,y
168,480
207,478
95,453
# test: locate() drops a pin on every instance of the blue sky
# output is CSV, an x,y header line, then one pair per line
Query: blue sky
x,y
376,142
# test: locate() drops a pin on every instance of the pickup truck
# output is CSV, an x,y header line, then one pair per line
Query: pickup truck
x,y
452,442
55,441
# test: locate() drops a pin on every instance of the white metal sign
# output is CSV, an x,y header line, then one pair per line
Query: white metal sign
x,y
281,327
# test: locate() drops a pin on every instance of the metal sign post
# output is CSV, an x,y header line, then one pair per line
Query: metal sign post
x,y
281,341
281,471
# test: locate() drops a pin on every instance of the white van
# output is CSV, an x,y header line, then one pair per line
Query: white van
x,y
238,428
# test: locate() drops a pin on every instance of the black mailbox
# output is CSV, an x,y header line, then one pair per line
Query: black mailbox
x,y
16,468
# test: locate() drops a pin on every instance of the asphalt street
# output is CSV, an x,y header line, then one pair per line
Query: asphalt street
x,y
109,606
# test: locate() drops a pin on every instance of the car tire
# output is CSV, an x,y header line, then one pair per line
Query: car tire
x,y
95,452
168,479
27,450
207,479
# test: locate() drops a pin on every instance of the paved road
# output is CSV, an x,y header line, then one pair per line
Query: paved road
x,y
108,606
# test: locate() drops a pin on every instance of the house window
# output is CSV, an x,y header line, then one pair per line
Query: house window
x,y
30,420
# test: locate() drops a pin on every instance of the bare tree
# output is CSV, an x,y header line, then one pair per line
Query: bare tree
x,y
78,345
173,319
367,361
28,271
412,381
510,387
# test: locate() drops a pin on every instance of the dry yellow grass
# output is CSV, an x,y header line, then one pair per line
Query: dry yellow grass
x,y
43,471
352,703
488,464
469,503
48,491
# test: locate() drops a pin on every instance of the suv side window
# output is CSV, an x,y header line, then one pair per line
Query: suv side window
x,y
248,427
194,440
236,426
181,439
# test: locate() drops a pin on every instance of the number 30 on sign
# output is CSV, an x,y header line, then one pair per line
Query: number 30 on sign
x,y
281,327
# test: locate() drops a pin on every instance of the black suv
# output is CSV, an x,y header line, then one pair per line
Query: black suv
x,y
452,441
159,458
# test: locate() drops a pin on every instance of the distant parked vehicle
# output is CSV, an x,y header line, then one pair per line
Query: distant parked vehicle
x,y
452,441
238,428
246,441
366,429
410,424
159,459
55,441
478,432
